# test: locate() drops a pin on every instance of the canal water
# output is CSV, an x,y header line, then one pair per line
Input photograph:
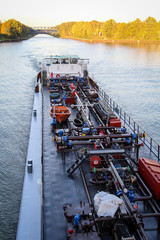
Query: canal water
x,y
129,73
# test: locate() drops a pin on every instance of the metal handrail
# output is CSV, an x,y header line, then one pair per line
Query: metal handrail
x,y
153,146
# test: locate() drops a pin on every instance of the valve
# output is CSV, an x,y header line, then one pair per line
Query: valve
x,y
133,135
77,218
131,196
61,133
123,130
53,122
119,193
70,231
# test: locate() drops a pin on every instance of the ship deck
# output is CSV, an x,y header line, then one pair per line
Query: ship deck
x,y
50,186
59,189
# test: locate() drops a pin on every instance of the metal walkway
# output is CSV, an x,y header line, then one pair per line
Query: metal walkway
x,y
29,225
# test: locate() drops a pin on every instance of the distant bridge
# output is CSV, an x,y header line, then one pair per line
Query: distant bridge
x,y
45,30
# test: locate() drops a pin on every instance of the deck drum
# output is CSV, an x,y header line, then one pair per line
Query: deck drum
x,y
95,161
150,172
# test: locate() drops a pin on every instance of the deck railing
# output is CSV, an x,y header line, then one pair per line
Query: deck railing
x,y
153,146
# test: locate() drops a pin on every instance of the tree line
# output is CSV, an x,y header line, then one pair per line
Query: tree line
x,y
13,29
135,30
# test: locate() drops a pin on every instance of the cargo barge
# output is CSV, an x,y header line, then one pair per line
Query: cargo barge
x,y
92,172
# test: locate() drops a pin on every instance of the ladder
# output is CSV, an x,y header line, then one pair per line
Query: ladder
x,y
75,165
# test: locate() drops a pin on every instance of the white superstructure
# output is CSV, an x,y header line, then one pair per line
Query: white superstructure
x,y
64,66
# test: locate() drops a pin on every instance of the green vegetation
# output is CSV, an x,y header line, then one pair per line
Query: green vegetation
x,y
110,30
13,30
137,30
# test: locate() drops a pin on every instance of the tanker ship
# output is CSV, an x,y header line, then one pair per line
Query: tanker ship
x,y
91,171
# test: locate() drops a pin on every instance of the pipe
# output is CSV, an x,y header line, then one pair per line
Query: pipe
x,y
141,229
84,116
92,143
138,222
156,205
101,219
142,237
124,190
142,234
117,175
108,169
145,187
149,194
106,151
98,136
84,181
85,185
146,215
82,143
96,127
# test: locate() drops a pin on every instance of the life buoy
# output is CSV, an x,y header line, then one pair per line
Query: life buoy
x,y
57,75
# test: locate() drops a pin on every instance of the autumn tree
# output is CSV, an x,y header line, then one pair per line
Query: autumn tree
x,y
151,29
93,29
65,29
109,28
121,31
79,30
14,29
0,25
6,28
159,30
18,29
135,30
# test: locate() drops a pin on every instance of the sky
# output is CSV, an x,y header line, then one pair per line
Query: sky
x,y
34,13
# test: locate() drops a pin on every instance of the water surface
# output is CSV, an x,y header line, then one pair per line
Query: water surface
x,y
129,73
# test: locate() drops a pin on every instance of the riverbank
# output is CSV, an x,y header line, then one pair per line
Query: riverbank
x,y
2,39
113,40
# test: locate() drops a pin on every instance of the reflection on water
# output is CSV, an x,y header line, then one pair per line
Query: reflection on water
x,y
129,73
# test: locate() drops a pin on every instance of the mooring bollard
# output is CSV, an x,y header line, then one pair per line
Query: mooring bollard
x,y
29,166
34,113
